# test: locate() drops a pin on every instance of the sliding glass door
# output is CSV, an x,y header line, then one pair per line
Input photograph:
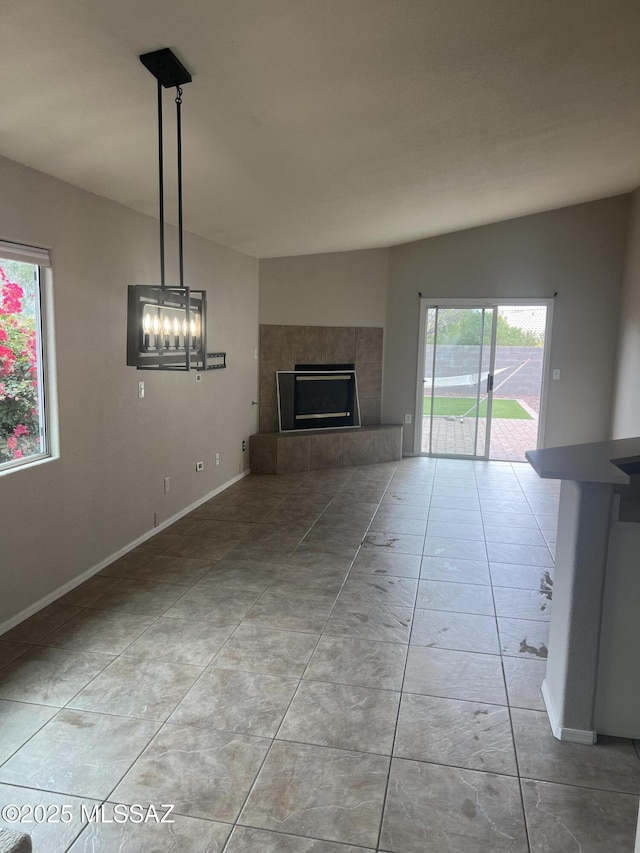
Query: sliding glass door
x,y
459,355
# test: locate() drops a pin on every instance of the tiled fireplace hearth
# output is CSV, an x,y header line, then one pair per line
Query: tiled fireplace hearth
x,y
282,348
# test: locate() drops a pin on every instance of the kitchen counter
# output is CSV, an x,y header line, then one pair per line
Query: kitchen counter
x,y
597,462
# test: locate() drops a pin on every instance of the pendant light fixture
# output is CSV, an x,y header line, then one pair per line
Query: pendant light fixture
x,y
167,325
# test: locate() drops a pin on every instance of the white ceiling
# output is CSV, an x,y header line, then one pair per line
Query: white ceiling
x,y
328,125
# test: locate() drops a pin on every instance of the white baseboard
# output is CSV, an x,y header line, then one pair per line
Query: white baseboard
x,y
571,735
98,567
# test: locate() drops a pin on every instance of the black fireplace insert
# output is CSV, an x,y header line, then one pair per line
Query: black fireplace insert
x,y
318,396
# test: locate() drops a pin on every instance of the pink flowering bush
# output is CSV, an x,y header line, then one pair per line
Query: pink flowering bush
x,y
19,408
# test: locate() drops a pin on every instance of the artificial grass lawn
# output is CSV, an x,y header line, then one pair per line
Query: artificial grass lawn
x,y
457,406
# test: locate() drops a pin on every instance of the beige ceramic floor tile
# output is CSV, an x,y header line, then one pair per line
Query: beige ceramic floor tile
x,y
33,629
248,702
364,663
318,792
18,722
86,593
183,571
560,817
65,813
458,597
342,716
144,689
456,570
524,677
244,839
449,630
101,631
448,731
11,651
455,675
370,622
139,596
374,563
524,637
612,764
204,772
267,651
79,753
49,676
448,810
182,834
523,603
180,641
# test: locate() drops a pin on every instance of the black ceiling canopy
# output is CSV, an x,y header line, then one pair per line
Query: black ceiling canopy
x,y
166,67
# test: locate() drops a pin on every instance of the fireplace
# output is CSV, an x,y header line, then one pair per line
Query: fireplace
x,y
318,396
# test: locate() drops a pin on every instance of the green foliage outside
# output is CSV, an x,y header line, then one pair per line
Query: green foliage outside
x,y
458,406
464,328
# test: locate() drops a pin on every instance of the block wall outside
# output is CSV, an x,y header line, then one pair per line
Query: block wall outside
x,y
456,360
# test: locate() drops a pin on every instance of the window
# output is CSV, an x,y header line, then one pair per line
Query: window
x,y
23,433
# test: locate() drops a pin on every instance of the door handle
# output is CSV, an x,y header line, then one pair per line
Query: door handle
x,y
489,383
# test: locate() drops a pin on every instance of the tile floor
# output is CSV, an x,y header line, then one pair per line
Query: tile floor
x,y
332,662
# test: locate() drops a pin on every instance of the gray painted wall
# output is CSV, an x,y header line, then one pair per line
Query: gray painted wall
x,y
626,413
336,289
61,518
577,251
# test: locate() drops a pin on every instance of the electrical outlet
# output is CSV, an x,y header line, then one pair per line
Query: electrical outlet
x,y
217,458
407,419
198,377
244,445
199,466
156,519
140,390
556,373
167,485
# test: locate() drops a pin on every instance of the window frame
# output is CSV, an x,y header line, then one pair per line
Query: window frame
x,y
39,258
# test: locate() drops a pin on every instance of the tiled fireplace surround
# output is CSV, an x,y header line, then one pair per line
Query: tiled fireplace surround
x,y
281,348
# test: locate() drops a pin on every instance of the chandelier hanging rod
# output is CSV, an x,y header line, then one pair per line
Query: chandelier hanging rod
x,y
169,72
167,325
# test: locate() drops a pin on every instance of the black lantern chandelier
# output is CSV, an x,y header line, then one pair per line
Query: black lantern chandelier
x,y
167,325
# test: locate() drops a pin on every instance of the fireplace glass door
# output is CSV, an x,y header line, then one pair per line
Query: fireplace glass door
x,y
317,399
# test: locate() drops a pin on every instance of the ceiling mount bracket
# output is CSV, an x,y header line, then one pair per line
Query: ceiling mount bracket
x,y
166,67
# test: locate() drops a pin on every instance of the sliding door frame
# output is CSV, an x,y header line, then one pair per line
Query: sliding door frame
x,y
427,302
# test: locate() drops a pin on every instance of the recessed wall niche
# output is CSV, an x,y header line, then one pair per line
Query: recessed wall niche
x,y
282,347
